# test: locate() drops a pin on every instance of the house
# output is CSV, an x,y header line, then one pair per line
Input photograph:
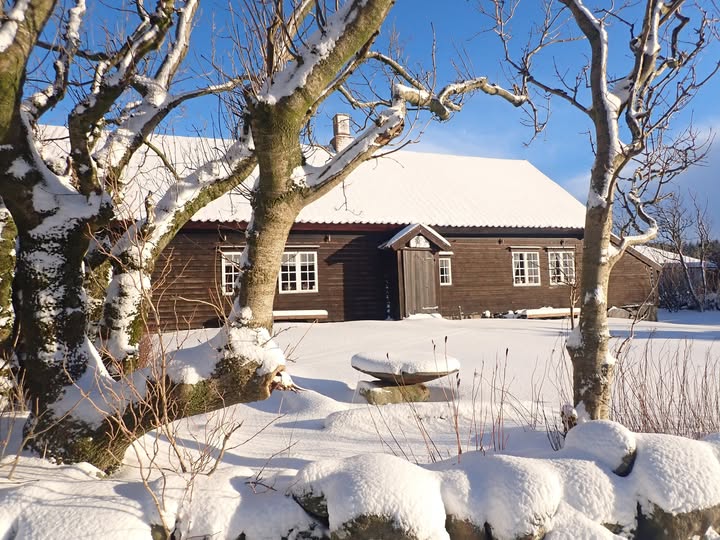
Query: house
x,y
673,290
406,234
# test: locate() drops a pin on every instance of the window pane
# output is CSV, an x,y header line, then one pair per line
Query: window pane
x,y
307,272
562,266
288,281
298,272
230,270
526,268
555,267
569,266
445,271
519,268
533,263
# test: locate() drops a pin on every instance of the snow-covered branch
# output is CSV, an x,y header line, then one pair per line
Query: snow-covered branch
x,y
646,48
388,125
321,179
397,68
111,79
605,107
141,118
134,254
46,99
322,55
179,48
650,232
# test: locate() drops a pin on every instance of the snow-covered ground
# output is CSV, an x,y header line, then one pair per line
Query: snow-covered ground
x,y
518,363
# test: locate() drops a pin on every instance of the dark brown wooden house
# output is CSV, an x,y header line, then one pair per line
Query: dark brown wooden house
x,y
407,234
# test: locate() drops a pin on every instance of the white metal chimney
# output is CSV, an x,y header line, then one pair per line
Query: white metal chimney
x,y
341,131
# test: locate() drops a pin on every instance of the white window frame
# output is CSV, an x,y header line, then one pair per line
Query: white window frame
x,y
521,266
448,274
567,272
295,274
229,259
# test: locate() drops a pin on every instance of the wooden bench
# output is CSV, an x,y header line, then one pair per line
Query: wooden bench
x,y
300,314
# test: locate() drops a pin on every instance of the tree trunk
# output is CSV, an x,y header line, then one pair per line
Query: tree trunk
x,y
593,365
263,254
276,202
8,232
699,302
52,348
124,311
50,311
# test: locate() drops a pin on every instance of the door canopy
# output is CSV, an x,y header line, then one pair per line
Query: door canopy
x,y
417,235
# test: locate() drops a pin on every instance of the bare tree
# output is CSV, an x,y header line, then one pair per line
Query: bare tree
x,y
630,101
66,205
284,96
677,224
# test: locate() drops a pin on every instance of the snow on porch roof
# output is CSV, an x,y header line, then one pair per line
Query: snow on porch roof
x,y
404,235
434,189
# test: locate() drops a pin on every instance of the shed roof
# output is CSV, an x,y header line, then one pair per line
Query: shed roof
x,y
665,257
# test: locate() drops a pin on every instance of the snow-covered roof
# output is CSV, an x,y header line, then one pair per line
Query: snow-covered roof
x,y
401,188
663,257
434,189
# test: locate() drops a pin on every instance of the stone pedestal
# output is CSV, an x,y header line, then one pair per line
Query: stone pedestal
x,y
382,393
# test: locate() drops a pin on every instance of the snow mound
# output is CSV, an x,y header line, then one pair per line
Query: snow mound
x,y
194,364
518,496
677,474
377,485
608,443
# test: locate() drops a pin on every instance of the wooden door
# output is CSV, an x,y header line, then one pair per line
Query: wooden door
x,y
419,281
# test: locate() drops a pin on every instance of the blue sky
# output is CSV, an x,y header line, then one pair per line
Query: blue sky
x,y
488,126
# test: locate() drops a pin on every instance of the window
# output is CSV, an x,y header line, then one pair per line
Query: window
x,y
526,268
230,266
562,266
445,271
298,272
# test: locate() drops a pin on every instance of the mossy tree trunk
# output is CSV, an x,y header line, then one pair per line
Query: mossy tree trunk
x,y
78,412
276,126
8,233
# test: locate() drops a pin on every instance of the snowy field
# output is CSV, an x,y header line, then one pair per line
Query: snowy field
x,y
514,377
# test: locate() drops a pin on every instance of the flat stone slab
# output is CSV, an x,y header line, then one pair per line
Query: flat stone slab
x,y
402,369
384,393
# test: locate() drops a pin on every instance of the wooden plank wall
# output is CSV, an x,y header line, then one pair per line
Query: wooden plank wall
x,y
188,279
359,281
490,285
482,277
632,282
